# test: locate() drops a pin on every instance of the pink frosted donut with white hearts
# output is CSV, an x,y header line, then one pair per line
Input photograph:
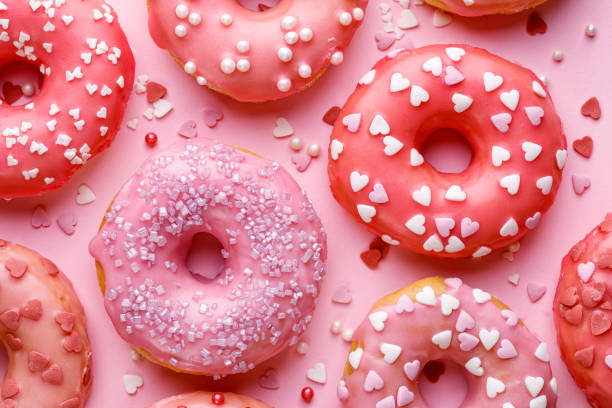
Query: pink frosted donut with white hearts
x,y
473,8
437,319
204,399
378,173
43,328
255,56
88,72
274,248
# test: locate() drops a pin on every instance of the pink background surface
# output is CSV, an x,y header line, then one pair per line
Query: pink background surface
x,y
583,73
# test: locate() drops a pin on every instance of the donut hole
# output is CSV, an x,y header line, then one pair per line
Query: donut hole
x,y
205,259
3,361
448,151
20,83
443,384
258,5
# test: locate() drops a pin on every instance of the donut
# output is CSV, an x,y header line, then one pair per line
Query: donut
x,y
377,169
583,312
274,248
205,399
88,71
506,366
255,56
474,8
43,329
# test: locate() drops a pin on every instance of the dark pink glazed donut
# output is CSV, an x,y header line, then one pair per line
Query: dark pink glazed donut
x,y
88,71
378,173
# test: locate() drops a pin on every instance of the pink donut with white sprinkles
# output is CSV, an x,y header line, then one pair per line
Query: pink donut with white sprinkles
x,y
88,71
273,243
255,56
444,320
378,172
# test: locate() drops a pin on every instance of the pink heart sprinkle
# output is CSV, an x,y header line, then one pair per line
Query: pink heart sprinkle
x,y
511,317
453,76
342,295
506,350
373,382
535,291
212,116
469,227
404,304
342,391
533,221
40,218
384,41
502,121
444,226
580,184
379,194
352,122
67,222
411,369
464,322
535,114
269,380
467,342
387,402
301,161
189,129
404,396
454,283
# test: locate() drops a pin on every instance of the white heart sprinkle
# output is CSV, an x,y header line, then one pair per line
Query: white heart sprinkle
x,y
494,387
561,157
441,18
433,65
532,150
426,296
585,271
377,320
368,78
480,296
510,99
392,145
354,358
391,352
317,374
553,381
407,20
534,114
336,149
482,251
418,95
455,193
366,212
416,158
499,155
283,128
422,196
416,224
442,339
352,122
509,229
545,184
358,181
514,279
539,402
454,245
85,195
492,81
132,382
608,361
389,240
379,126
538,89
534,385
399,83
455,53
433,243
161,108
541,353
474,366
511,183
448,303
462,102
488,338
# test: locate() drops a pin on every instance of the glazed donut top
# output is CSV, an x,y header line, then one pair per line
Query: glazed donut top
x,y
473,8
43,328
378,173
203,399
274,250
506,366
255,56
583,313
88,71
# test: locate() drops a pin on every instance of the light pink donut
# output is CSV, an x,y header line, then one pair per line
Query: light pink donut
x,y
255,56
88,70
274,249
473,8
204,399
378,173
437,319
43,328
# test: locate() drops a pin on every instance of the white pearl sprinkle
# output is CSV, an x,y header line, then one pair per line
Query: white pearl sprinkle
x,y
284,84
195,19
243,46
288,22
182,11
336,327
305,71
337,58
347,335
180,31
285,54
314,150
228,66
591,30
28,89
306,34
190,67
201,80
296,143
558,55
243,65
302,348
226,19
345,18
358,14
291,37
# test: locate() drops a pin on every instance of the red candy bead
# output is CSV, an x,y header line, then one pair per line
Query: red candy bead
x,y
307,394
151,139
218,398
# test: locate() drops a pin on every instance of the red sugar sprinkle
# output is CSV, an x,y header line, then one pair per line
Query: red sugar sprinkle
x,y
591,108
218,398
307,394
331,115
151,139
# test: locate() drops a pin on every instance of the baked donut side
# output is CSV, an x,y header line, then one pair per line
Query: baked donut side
x,y
204,399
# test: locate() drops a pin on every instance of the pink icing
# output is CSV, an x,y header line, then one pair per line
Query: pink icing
x,y
583,312
203,399
274,245
255,56
473,8
385,366
516,167
88,71
41,372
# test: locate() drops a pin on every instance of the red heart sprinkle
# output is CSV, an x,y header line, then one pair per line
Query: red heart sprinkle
x,y
53,375
577,251
569,296
11,93
584,146
605,259
572,315
65,320
599,323
591,297
9,388
331,115
591,108
52,269
73,343
585,356
16,268
155,91
382,246
10,318
14,342
371,258
535,24
37,361
32,310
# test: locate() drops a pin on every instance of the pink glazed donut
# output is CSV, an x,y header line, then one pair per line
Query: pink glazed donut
x,y
473,8
378,173
255,56
274,248
583,314
204,399
437,319
43,329
88,72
